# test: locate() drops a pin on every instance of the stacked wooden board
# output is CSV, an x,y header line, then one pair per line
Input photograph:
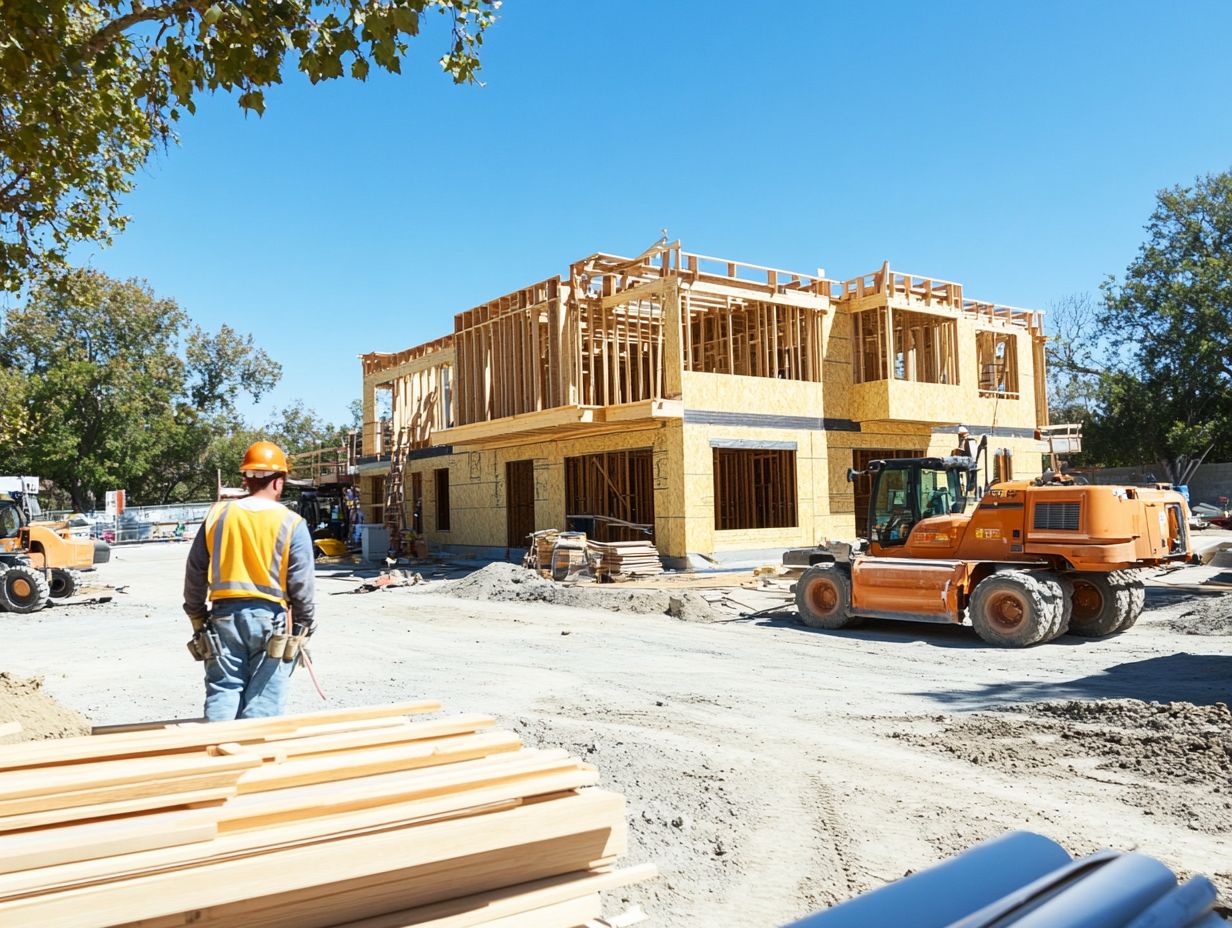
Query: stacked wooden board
x,y
625,558
365,818
539,555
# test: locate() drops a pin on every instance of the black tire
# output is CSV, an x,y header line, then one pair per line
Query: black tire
x,y
64,583
318,551
1063,592
1137,597
823,597
1014,609
23,589
1105,603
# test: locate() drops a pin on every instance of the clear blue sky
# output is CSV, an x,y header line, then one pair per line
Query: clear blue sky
x,y
1016,148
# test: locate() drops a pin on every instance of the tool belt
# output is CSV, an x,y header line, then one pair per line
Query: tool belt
x,y
285,647
205,644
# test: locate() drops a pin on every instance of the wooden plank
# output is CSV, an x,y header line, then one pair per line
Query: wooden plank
x,y
249,843
320,744
570,913
48,847
595,814
479,909
187,737
336,796
163,793
111,809
40,784
326,906
307,770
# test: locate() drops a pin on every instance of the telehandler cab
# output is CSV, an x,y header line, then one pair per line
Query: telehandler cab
x,y
1029,561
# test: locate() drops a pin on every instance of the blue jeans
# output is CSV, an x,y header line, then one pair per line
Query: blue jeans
x,y
242,683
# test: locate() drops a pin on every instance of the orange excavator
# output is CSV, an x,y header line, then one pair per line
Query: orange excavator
x,y
1030,560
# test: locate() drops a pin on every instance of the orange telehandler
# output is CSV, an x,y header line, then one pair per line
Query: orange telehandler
x,y
38,560
1032,560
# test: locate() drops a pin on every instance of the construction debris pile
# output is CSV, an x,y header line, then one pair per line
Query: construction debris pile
x,y
360,818
501,582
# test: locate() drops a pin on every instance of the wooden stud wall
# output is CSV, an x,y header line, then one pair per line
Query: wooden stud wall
x,y
617,484
925,347
723,335
619,350
422,404
509,359
754,488
997,357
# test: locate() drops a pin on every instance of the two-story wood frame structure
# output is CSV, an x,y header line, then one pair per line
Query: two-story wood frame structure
x,y
716,404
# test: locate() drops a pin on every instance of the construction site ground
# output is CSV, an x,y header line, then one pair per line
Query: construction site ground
x,y
770,769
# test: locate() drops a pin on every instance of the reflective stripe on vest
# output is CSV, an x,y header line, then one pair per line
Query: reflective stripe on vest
x,y
249,551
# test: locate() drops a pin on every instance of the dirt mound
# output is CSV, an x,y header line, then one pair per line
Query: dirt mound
x,y
1126,741
24,700
502,582
1209,615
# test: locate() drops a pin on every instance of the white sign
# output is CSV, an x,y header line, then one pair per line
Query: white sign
x,y
115,502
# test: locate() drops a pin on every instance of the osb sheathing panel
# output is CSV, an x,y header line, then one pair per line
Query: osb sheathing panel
x,y
761,395
836,380
478,491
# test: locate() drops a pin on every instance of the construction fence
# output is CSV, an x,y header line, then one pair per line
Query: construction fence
x,y
136,523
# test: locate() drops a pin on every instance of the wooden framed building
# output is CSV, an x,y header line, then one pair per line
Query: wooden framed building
x,y
710,405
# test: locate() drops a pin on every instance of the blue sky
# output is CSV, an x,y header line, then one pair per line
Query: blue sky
x,y
1016,148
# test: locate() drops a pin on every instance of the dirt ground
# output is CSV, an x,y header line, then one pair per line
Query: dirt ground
x,y
769,769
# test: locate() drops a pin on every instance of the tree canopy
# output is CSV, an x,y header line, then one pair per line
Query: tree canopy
x,y
1172,312
88,90
105,385
1150,371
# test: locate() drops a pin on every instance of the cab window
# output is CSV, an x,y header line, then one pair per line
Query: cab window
x,y
10,521
892,516
940,493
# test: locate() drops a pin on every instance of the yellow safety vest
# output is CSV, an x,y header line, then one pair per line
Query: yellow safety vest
x,y
249,550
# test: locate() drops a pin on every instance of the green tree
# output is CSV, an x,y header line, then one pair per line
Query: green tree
x,y
296,428
1167,395
88,90
106,399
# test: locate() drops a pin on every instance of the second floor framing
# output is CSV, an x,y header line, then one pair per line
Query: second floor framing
x,y
617,341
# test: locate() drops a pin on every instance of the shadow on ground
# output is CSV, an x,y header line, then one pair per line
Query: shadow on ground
x,y
939,635
1202,679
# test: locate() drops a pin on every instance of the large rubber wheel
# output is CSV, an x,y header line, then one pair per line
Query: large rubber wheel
x,y
1062,589
64,583
1015,609
1137,598
1105,604
823,597
23,589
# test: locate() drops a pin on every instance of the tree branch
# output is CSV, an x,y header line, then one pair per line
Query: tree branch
x,y
114,29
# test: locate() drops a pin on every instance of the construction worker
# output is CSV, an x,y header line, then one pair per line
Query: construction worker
x,y
964,443
252,559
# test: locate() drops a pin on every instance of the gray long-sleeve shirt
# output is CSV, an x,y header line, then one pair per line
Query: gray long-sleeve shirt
x,y
301,574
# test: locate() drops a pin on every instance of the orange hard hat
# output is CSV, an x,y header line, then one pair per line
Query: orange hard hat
x,y
264,458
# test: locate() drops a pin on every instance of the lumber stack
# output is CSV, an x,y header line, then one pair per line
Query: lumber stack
x,y
539,555
364,818
625,558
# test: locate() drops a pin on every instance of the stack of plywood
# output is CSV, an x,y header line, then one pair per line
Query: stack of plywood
x,y
366,818
627,558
